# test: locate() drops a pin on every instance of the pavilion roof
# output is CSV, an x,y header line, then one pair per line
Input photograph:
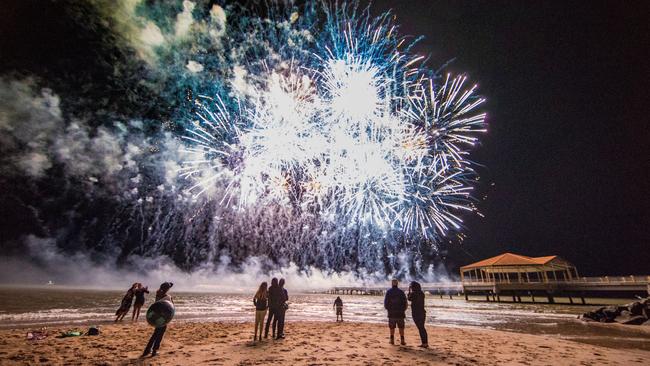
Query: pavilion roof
x,y
511,259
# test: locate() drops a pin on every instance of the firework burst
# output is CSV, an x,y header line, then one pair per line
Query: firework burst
x,y
351,129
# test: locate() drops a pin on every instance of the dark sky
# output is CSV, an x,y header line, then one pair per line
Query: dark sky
x,y
568,146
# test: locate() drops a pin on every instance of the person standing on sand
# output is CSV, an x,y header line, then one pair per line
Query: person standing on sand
x,y
416,297
139,301
274,298
158,333
338,304
261,305
395,304
127,300
284,305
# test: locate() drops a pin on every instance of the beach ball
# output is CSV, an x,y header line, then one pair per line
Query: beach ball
x,y
160,313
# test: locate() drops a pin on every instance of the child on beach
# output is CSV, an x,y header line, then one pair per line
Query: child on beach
x,y
159,332
139,301
338,304
126,303
261,305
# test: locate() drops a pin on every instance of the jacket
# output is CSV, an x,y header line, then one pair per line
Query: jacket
x,y
417,304
276,297
395,303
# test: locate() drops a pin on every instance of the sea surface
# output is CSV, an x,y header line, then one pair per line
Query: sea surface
x,y
38,307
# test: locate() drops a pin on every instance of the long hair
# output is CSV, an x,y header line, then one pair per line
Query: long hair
x,y
416,287
262,292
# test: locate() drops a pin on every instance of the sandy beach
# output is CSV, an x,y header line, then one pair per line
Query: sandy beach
x,y
307,343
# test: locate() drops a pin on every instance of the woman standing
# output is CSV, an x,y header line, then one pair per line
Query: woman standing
x,y
139,301
261,305
416,297
126,303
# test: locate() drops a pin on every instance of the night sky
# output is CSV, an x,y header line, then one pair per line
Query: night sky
x,y
568,148
567,155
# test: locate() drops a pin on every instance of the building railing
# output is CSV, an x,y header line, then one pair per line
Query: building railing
x,y
613,280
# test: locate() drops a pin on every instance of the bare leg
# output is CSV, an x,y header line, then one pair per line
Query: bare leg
x,y
392,335
401,336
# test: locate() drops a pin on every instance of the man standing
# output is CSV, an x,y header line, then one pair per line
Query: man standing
x,y
282,309
274,298
396,305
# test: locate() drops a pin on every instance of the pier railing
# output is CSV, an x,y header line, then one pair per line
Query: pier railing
x,y
623,280
502,285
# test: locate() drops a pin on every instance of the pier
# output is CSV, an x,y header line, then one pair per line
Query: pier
x,y
575,289
509,277
437,288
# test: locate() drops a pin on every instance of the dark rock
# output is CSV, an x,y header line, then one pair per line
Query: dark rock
x,y
646,323
631,320
636,308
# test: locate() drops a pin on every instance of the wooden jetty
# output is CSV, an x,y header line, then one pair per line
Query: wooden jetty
x,y
508,277
440,288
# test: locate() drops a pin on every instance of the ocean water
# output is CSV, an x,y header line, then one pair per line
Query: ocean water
x,y
36,307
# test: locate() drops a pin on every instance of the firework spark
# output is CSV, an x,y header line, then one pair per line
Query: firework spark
x,y
354,131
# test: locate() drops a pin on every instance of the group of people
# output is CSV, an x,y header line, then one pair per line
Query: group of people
x,y
136,292
273,299
396,304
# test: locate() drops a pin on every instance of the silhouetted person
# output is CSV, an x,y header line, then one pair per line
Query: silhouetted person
x,y
125,305
159,332
338,304
139,301
416,297
261,306
282,310
275,299
395,304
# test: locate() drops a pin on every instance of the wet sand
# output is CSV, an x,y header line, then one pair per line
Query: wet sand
x,y
307,343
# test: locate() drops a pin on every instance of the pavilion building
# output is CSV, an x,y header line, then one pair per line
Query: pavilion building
x,y
516,268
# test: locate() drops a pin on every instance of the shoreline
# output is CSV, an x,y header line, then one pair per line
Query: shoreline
x,y
347,343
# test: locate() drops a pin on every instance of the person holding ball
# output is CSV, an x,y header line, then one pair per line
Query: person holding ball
x,y
159,318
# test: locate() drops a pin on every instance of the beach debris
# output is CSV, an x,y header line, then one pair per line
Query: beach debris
x,y
635,313
37,335
70,333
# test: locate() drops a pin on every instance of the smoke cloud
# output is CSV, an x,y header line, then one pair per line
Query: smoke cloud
x,y
89,189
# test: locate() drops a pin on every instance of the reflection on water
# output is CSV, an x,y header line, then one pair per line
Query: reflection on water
x,y
50,306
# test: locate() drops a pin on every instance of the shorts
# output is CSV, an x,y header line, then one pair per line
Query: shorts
x,y
339,311
399,322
